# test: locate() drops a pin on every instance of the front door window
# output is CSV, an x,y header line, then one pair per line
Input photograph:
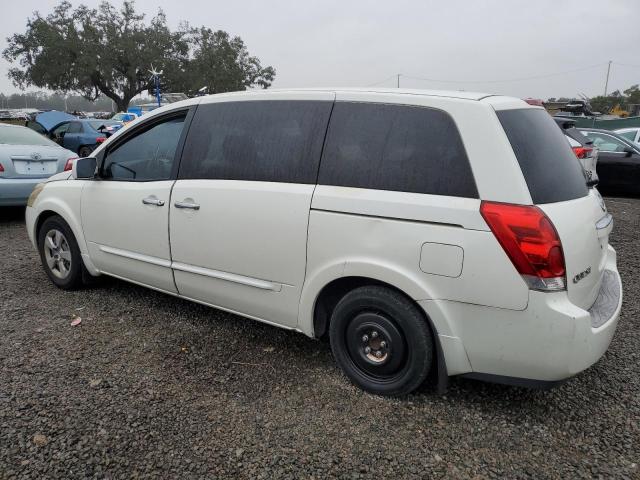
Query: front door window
x,y
148,156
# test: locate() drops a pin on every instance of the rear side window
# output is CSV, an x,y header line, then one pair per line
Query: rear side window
x,y
74,127
550,168
396,147
269,141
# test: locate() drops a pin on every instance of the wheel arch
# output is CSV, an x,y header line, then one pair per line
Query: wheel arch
x,y
329,296
356,272
51,207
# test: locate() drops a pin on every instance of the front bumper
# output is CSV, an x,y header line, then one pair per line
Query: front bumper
x,y
16,191
551,340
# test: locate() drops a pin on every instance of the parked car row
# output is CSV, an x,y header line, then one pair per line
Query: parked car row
x,y
79,135
27,158
618,161
610,159
444,232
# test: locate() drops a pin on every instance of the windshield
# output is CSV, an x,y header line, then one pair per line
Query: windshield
x,y
23,136
630,135
609,141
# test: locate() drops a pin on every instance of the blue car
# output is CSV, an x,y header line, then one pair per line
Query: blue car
x,y
83,136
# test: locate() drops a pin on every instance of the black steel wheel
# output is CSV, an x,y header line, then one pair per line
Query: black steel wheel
x,y
381,340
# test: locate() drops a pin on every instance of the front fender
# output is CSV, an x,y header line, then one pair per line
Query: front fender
x,y
61,198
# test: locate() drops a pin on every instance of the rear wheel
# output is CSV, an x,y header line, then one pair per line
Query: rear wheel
x,y
60,254
84,151
381,341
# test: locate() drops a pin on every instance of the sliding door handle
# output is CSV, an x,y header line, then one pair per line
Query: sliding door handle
x,y
152,200
187,205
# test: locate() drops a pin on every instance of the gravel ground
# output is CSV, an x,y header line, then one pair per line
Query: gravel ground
x,y
151,386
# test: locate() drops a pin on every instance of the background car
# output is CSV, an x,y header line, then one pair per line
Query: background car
x,y
45,122
123,118
83,136
632,133
583,148
618,161
26,158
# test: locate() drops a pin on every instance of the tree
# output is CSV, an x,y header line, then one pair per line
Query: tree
x,y
604,104
109,51
218,63
93,51
633,95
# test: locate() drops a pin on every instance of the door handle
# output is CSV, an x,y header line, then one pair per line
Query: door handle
x,y
153,201
189,205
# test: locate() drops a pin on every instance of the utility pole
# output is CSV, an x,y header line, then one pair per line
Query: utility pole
x,y
398,80
606,83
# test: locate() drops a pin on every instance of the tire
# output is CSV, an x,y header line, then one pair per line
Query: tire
x,y
84,151
60,254
381,341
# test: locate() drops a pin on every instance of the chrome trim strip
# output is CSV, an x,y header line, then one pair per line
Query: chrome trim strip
x,y
206,272
230,277
136,256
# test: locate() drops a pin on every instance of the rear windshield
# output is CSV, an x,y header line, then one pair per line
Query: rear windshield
x,y
550,168
11,135
96,124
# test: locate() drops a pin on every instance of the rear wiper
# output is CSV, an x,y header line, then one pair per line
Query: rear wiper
x,y
592,183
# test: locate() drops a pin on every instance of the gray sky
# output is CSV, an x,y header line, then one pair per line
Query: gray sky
x,y
359,43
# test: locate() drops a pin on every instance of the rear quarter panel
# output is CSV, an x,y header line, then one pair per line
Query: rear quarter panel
x,y
380,234
385,245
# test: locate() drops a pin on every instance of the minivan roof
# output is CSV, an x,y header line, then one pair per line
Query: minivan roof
x,y
402,91
497,102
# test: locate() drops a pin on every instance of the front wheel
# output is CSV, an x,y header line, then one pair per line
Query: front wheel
x,y
381,341
60,253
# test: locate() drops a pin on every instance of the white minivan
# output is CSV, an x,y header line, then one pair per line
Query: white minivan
x,y
419,231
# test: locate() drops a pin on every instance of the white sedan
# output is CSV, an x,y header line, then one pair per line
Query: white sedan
x,y
26,157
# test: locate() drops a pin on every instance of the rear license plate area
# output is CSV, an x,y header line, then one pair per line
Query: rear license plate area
x,y
35,167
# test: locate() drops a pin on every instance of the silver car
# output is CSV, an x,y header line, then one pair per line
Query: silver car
x,y
26,157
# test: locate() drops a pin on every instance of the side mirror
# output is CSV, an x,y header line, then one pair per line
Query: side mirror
x,y
628,151
84,168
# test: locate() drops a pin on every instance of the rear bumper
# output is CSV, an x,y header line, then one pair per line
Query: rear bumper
x,y
550,341
16,191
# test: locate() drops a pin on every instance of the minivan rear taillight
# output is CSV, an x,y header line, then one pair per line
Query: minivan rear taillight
x,y
582,152
530,241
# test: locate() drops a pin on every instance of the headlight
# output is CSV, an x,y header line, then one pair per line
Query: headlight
x,y
34,194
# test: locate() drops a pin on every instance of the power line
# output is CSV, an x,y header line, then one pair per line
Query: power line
x,y
626,65
382,81
533,77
